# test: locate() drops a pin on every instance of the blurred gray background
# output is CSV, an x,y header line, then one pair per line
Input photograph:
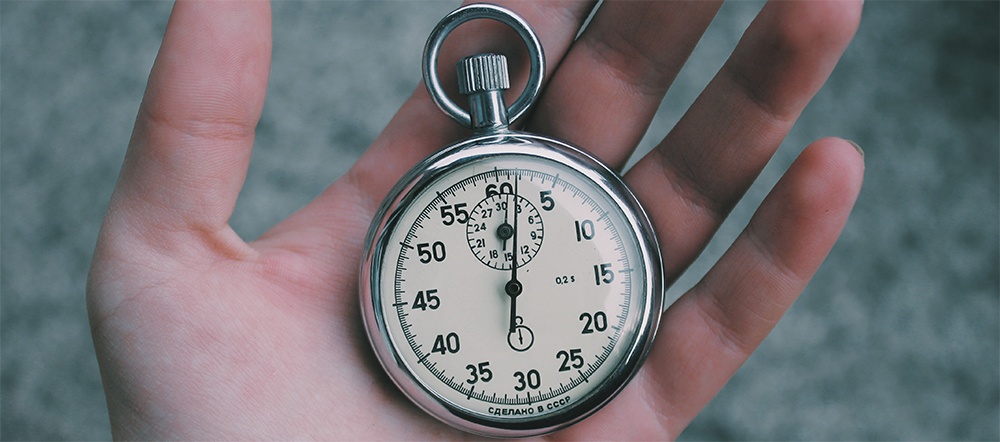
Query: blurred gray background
x,y
896,337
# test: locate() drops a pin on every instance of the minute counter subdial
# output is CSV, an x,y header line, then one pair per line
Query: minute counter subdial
x,y
490,230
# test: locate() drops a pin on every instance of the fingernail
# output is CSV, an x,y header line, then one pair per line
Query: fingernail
x,y
858,148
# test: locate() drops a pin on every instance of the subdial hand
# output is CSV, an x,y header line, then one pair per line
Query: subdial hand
x,y
504,231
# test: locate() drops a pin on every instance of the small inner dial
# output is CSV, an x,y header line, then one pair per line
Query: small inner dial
x,y
501,222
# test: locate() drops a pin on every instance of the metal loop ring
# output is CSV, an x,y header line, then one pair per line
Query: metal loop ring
x,y
471,12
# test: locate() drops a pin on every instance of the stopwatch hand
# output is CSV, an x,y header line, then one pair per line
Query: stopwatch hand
x,y
513,287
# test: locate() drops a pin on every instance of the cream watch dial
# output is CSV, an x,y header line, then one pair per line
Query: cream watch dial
x,y
514,288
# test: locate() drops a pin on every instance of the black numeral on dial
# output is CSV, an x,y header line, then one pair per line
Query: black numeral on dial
x,y
594,322
480,372
584,230
545,197
446,344
531,380
427,299
493,189
603,273
450,214
430,252
570,359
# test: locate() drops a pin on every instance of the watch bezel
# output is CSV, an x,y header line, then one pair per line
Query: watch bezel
x,y
428,172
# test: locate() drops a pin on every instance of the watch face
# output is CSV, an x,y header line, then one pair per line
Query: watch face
x,y
513,288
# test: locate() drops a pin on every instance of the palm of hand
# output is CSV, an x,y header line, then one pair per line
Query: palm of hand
x,y
200,334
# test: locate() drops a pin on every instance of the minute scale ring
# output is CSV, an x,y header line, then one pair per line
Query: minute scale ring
x,y
606,324
584,338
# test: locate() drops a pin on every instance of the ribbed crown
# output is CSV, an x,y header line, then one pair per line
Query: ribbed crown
x,y
483,72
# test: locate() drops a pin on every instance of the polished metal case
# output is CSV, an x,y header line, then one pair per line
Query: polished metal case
x,y
427,172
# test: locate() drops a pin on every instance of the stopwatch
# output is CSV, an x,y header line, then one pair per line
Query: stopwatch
x,y
511,283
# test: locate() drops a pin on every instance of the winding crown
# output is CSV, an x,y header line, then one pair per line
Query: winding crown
x,y
483,72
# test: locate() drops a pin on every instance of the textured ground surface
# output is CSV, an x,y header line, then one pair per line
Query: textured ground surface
x,y
896,338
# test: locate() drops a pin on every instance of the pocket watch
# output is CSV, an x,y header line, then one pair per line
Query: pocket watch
x,y
511,283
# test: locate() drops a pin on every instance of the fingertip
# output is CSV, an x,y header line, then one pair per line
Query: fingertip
x,y
806,25
215,59
789,51
858,148
809,206
840,162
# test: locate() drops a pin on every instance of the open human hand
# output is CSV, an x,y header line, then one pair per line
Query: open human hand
x,y
200,334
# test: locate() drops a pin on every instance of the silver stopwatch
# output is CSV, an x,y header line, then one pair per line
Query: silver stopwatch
x,y
512,284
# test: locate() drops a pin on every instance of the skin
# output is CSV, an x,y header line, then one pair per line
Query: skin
x,y
201,335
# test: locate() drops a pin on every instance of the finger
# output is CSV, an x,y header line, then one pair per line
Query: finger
x,y
711,330
718,148
419,128
191,145
614,77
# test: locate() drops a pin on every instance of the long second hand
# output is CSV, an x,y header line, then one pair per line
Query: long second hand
x,y
513,287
